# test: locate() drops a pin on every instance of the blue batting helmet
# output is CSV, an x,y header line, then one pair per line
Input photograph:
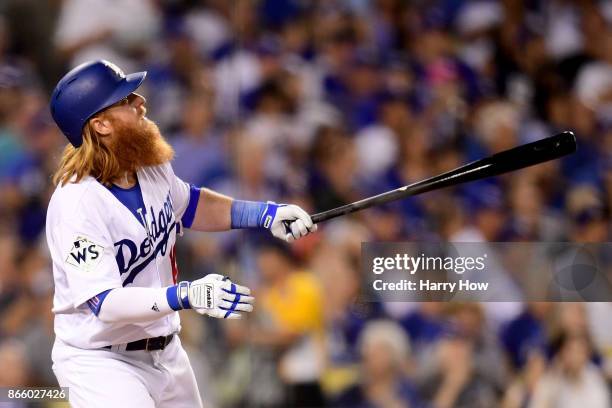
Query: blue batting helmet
x,y
85,91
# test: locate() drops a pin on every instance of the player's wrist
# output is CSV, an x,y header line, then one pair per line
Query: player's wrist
x,y
252,214
178,296
213,295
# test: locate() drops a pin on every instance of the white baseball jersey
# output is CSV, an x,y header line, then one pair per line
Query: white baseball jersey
x,y
97,244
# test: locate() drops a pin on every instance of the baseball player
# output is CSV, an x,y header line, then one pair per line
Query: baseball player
x,y
111,229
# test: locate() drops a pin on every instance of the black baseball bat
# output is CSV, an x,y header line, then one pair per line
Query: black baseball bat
x,y
503,162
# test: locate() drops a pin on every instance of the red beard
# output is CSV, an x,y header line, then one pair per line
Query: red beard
x,y
141,145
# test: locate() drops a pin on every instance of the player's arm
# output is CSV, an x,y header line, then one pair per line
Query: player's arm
x,y
218,212
213,295
213,212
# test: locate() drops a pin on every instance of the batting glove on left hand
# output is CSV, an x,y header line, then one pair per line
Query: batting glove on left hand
x,y
287,221
216,296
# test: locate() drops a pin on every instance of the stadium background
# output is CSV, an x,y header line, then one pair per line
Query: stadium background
x,y
320,103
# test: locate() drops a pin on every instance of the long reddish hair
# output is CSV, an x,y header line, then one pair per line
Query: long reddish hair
x,y
92,158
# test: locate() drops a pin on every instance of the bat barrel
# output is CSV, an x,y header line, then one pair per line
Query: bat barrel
x,y
534,153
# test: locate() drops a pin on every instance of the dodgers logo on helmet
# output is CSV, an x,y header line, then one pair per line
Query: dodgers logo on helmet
x,y
115,68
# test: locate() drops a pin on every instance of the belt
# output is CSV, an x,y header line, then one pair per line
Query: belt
x,y
152,344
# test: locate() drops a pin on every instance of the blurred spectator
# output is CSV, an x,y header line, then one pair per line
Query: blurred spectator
x,y
384,137
89,30
425,326
32,24
572,380
489,213
173,74
520,390
332,177
464,369
208,26
250,178
291,322
13,357
594,80
9,282
12,95
27,177
345,315
201,153
589,219
531,219
526,334
385,353
497,126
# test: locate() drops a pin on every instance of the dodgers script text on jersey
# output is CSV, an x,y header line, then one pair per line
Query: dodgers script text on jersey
x,y
133,257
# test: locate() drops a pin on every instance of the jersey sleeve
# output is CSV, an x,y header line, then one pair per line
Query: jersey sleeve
x,y
185,198
85,252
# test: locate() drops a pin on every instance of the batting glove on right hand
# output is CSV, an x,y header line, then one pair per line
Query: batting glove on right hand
x,y
216,296
287,221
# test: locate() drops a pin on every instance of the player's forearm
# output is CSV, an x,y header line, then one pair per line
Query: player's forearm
x,y
217,212
214,295
213,212
134,305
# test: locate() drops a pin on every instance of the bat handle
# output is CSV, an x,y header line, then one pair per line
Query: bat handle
x,y
287,225
318,217
333,213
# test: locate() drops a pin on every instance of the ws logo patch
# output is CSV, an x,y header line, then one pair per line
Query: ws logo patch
x,y
85,254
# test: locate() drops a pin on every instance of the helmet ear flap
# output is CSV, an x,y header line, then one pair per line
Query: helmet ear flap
x,y
85,91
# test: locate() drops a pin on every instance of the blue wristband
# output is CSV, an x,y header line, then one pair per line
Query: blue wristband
x,y
247,214
178,296
172,297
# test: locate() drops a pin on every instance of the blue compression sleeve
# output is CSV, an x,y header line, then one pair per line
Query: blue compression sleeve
x,y
172,297
247,214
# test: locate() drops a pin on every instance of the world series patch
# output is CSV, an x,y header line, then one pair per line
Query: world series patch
x,y
85,254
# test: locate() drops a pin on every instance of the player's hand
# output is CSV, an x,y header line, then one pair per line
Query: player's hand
x,y
217,296
287,221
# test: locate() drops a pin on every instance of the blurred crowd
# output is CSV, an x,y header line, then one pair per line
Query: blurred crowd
x,y
320,103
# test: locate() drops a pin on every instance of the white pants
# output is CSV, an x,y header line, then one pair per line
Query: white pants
x,y
143,379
